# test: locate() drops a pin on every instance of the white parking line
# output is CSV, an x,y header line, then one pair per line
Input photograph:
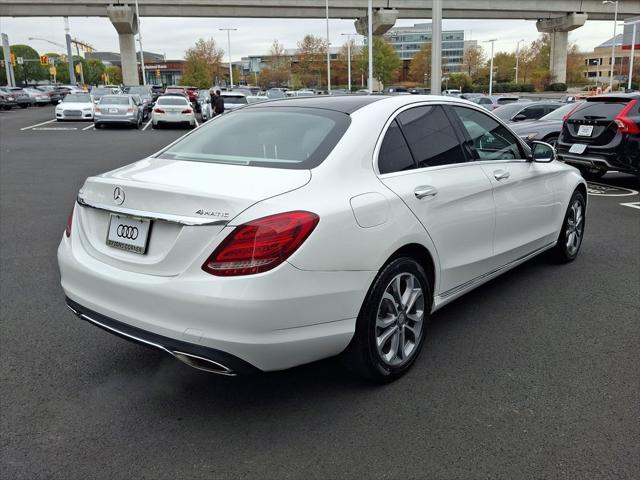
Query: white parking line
x,y
54,128
38,124
89,127
145,127
197,124
632,205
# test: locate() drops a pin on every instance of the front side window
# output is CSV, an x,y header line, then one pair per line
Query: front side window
x,y
491,140
394,155
431,136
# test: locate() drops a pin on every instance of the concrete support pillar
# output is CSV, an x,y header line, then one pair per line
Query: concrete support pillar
x,y
125,22
558,56
558,28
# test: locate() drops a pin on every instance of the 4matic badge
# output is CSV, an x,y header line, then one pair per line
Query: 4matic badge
x,y
212,213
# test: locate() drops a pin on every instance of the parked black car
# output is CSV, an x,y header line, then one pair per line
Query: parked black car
x,y
7,100
546,129
603,134
520,112
156,91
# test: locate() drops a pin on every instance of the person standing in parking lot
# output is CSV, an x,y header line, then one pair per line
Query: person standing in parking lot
x,y
218,104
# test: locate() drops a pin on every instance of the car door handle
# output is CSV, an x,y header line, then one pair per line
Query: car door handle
x,y
501,174
425,191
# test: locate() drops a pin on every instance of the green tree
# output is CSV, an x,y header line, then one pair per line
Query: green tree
x,y
460,81
202,61
504,67
29,70
113,74
386,61
279,65
473,58
93,70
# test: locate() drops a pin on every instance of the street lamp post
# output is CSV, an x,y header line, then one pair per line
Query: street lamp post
x,y
72,73
633,49
349,35
229,30
328,49
518,57
613,43
370,44
492,41
144,76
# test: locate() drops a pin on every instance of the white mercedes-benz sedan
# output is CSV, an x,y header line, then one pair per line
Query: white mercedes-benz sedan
x,y
298,229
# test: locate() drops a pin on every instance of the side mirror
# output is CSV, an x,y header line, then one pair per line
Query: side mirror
x,y
542,152
519,117
59,101
208,100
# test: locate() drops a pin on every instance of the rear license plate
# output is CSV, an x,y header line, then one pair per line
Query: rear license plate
x,y
113,110
585,130
128,233
578,148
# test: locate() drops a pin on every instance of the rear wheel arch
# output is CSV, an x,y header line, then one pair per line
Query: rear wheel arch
x,y
421,255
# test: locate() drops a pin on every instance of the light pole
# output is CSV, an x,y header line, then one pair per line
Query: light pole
x,y
492,41
144,76
229,30
518,57
436,47
370,44
613,43
633,49
72,73
349,35
328,49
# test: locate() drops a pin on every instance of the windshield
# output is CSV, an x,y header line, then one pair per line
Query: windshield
x,y
559,113
284,137
101,91
114,100
73,98
172,101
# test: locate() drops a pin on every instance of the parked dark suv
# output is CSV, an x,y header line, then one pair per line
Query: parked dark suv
x,y
603,134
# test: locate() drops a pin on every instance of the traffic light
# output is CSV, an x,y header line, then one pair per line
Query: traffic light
x,y
44,60
13,59
157,73
78,68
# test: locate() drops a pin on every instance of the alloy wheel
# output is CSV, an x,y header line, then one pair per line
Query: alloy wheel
x,y
574,227
399,319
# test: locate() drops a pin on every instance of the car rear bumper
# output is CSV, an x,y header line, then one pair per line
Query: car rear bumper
x,y
84,116
628,162
115,119
272,321
175,119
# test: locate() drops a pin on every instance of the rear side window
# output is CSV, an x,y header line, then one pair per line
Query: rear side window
x,y
431,137
394,155
534,112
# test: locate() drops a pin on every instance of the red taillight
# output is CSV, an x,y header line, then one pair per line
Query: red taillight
x,y
564,119
130,109
158,110
67,229
187,110
261,245
624,123
97,110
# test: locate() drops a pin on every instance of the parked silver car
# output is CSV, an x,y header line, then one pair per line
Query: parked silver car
x,y
122,109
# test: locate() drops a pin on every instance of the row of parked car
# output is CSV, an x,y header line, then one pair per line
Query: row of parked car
x,y
41,95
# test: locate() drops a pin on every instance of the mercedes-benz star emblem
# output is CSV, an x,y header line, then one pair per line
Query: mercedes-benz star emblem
x,y
118,195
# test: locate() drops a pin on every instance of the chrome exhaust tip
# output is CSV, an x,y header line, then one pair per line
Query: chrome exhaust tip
x,y
202,363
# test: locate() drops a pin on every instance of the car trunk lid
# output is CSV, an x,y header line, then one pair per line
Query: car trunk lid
x,y
594,122
188,204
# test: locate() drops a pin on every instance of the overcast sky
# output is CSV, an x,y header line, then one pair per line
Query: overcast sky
x,y
173,36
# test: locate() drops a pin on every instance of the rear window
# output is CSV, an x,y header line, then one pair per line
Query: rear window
x,y
113,100
505,101
600,110
284,137
559,113
235,100
172,101
101,91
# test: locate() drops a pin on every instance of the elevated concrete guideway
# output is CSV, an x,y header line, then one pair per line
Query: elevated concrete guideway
x,y
409,9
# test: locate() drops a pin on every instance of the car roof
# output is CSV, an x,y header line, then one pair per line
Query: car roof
x,y
340,103
614,96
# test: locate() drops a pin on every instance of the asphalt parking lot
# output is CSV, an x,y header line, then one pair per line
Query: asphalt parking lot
x,y
534,375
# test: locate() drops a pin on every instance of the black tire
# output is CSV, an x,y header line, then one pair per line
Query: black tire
x,y
566,251
362,356
155,127
592,174
98,126
24,106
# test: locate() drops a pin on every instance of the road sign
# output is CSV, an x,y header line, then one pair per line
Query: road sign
x,y
44,60
20,60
